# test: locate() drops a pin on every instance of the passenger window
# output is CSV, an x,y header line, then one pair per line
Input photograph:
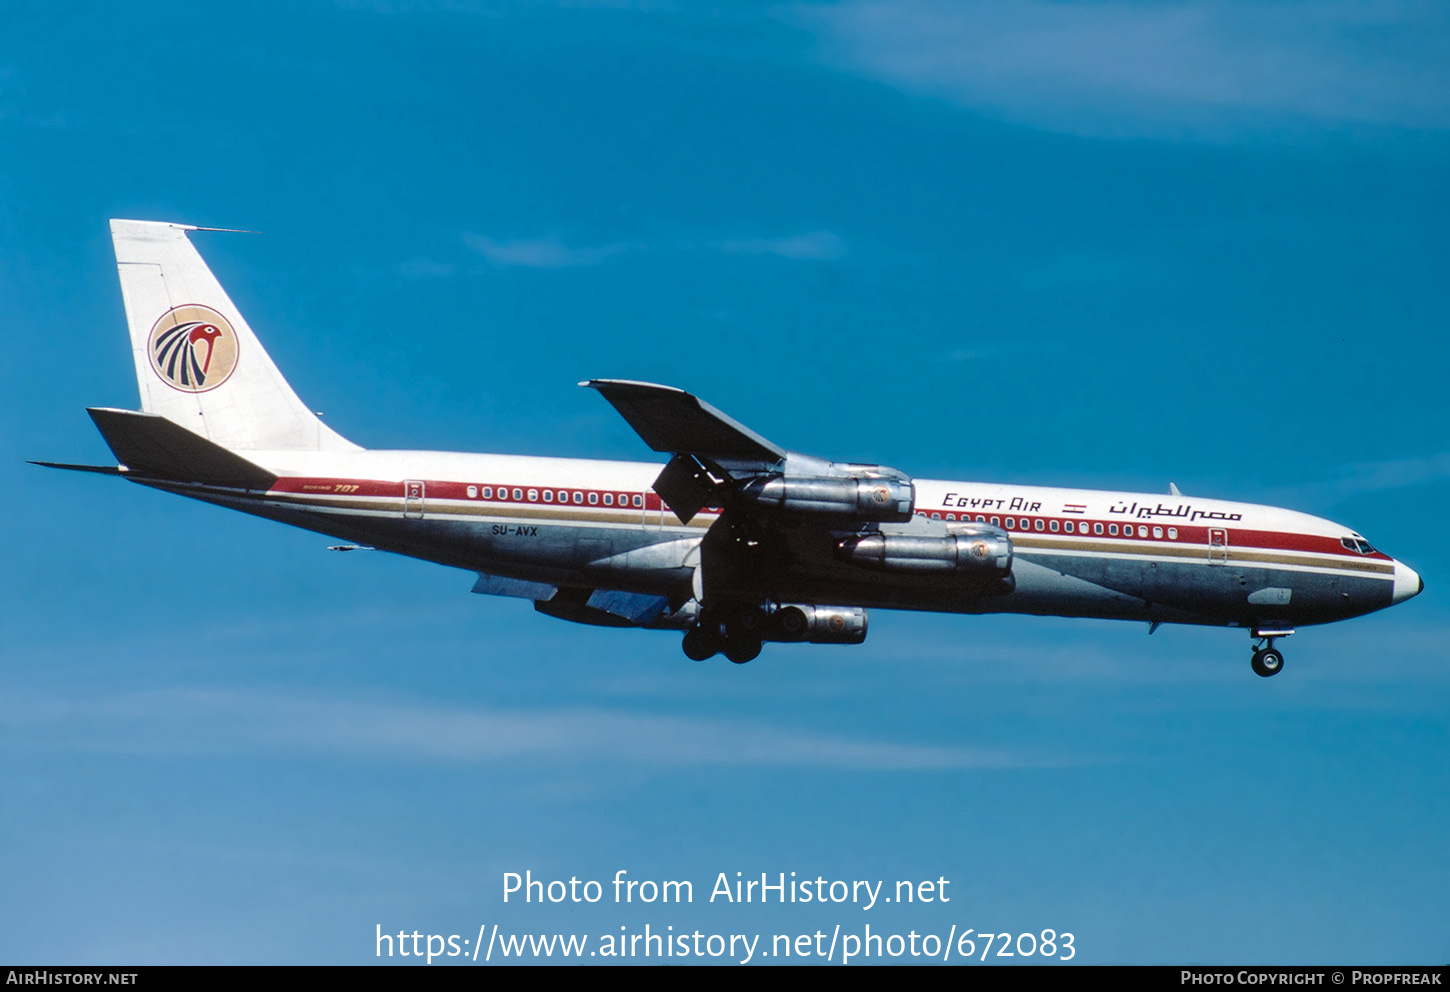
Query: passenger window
x,y
996,522
1097,528
639,501
936,516
578,497
473,492
518,494
1037,524
1011,523
1142,531
548,495
1172,533
593,499
1053,526
1068,527
609,499
533,495
1113,530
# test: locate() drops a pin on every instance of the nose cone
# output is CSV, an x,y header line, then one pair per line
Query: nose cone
x,y
1407,583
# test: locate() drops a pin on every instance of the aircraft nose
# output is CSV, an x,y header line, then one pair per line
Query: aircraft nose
x,y
1407,583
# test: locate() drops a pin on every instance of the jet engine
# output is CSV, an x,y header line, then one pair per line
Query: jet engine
x,y
980,554
818,624
880,500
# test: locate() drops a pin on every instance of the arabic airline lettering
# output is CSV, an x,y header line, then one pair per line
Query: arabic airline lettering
x,y
735,541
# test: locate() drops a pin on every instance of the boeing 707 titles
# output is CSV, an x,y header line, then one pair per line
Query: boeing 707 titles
x,y
735,541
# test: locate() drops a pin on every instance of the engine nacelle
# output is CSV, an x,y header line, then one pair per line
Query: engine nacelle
x,y
980,554
818,624
878,500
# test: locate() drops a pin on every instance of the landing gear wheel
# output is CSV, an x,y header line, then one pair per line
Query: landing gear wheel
x,y
747,622
699,644
742,649
1268,661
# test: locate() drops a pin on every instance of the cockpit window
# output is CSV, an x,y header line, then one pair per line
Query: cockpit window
x,y
1357,544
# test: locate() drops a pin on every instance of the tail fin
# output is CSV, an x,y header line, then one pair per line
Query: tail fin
x,y
197,361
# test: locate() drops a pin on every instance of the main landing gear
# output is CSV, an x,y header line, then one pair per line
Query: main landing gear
x,y
738,637
704,641
1267,659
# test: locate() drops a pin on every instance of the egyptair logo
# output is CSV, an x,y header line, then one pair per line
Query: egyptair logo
x,y
193,348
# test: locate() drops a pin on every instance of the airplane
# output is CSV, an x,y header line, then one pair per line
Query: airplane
x,y
734,541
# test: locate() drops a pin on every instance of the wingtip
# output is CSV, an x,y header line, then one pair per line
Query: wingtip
x,y
632,384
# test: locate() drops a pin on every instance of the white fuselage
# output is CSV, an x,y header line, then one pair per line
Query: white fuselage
x,y
583,522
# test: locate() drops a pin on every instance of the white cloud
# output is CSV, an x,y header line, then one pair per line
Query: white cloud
x,y
816,246
553,253
1197,70
1365,477
208,721
424,268
540,253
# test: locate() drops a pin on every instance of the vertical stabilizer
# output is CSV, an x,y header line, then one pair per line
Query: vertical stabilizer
x,y
197,361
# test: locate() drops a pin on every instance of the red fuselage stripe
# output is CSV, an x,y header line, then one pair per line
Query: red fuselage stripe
x,y
501,495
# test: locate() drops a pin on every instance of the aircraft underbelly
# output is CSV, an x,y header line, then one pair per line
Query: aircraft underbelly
x,y
1193,592
1212,593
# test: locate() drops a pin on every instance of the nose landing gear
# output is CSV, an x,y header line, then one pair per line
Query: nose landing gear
x,y
1267,659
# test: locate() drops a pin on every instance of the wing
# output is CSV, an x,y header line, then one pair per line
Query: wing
x,y
720,462
670,419
797,529
790,521
598,607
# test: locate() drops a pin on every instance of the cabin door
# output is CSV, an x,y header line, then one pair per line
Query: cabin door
x,y
413,499
1217,546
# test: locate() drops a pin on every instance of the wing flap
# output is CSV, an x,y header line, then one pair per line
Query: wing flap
x,y
686,487
638,607
498,585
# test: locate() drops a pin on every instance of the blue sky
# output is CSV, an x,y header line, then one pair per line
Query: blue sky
x,y
1106,244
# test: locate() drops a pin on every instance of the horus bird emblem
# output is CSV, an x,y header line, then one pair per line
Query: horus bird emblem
x,y
208,333
178,356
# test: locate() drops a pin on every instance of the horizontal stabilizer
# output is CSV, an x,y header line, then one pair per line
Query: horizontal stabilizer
x,y
670,419
98,469
153,446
